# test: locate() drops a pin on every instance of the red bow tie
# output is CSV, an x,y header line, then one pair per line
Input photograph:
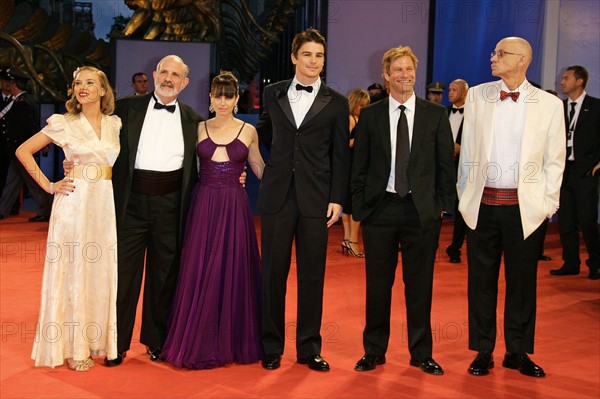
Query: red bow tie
x,y
514,95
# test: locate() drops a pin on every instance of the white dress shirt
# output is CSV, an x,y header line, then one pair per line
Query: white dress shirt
x,y
394,115
161,141
301,100
508,125
456,119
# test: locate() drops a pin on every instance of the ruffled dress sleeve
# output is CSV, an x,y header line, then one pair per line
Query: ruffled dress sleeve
x,y
55,129
115,124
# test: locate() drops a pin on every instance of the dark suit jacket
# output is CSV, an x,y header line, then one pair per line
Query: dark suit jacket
x,y
431,173
19,123
132,111
314,156
586,144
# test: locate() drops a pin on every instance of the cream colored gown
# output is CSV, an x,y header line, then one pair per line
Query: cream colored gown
x,y
79,288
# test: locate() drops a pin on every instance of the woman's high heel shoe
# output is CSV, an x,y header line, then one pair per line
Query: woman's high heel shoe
x,y
345,246
78,365
350,250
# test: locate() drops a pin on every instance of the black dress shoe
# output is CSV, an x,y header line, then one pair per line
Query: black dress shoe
x,y
369,362
39,218
564,271
453,254
482,364
315,362
428,365
522,362
545,258
594,274
271,362
154,354
116,361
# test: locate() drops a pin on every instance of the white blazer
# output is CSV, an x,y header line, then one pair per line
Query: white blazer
x,y
542,159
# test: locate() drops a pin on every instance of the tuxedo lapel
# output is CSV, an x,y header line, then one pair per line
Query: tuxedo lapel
x,y
323,98
487,120
189,130
383,128
584,112
134,128
419,123
284,102
530,139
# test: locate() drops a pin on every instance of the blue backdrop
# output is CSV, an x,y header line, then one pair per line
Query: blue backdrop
x,y
466,31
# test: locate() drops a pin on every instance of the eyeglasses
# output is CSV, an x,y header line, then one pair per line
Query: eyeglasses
x,y
500,53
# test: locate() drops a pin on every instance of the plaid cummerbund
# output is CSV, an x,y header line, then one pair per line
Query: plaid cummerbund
x,y
500,196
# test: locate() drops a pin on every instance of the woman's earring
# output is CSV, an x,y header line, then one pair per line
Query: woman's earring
x,y
211,109
235,109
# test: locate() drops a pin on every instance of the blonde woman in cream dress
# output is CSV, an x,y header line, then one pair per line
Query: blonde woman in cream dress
x,y
78,303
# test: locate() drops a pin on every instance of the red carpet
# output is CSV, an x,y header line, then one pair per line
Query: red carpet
x,y
567,346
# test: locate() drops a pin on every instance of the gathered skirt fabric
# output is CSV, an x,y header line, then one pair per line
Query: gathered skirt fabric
x,y
216,310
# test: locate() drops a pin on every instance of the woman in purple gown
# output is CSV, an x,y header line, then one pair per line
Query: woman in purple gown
x,y
216,311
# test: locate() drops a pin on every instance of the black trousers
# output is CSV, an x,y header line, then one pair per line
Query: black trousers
x,y
150,230
278,232
579,211
499,232
458,234
394,222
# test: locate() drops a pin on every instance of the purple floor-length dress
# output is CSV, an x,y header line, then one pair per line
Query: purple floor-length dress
x,y
216,310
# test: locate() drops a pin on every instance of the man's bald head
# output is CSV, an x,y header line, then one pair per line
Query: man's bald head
x,y
523,47
457,92
510,60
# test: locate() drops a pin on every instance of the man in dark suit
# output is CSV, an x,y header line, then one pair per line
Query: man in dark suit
x,y
457,95
402,181
301,195
139,82
579,189
152,178
19,120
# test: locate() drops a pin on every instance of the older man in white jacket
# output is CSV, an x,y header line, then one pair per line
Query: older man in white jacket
x,y
510,171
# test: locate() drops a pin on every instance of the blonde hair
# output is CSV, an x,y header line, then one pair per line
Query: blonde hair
x,y
356,97
394,53
107,101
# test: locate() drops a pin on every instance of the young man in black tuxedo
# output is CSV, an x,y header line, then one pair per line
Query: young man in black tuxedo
x,y
402,181
301,195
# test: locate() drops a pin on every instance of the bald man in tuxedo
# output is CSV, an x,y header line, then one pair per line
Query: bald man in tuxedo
x,y
511,164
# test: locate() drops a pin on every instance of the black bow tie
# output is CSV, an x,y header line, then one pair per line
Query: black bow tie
x,y
299,87
157,105
455,110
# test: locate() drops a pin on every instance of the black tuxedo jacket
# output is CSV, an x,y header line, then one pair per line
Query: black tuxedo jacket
x,y
459,135
431,172
132,111
314,156
19,123
586,144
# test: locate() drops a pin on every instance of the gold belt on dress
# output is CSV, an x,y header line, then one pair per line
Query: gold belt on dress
x,y
91,172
